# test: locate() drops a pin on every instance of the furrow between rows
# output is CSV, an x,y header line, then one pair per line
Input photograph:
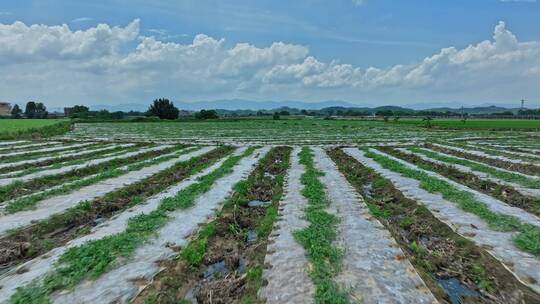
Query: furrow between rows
x,y
466,169
495,160
46,150
287,276
493,204
108,150
58,204
36,268
124,281
374,269
50,159
7,181
16,148
524,266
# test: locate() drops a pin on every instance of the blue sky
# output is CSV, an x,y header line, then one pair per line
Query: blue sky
x,y
346,38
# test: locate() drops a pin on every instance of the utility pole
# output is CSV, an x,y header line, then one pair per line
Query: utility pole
x,y
522,104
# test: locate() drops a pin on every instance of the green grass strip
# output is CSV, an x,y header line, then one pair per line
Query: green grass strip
x,y
29,202
503,175
94,258
495,152
32,167
491,151
318,237
29,147
528,237
19,188
66,148
38,130
194,253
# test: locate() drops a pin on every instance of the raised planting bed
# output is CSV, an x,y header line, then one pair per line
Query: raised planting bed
x,y
223,262
442,257
28,242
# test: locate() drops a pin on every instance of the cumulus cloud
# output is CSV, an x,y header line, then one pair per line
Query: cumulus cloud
x,y
118,64
38,42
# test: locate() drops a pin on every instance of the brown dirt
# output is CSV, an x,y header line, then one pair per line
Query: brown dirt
x,y
504,193
229,245
53,161
523,168
43,183
431,246
29,242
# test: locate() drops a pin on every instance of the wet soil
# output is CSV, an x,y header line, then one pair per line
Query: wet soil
x,y
42,183
233,261
29,242
63,159
522,168
502,192
438,253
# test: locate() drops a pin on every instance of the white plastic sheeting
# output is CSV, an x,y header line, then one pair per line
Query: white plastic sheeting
x,y
372,268
59,204
120,284
35,269
288,279
524,266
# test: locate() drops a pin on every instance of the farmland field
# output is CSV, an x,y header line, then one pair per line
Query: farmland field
x,y
272,211
477,123
16,127
302,131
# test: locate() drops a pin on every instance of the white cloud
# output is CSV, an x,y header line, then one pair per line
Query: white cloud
x,y
118,64
358,2
20,42
82,19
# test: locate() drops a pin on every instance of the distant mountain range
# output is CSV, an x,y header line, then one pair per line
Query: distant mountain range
x,y
231,105
246,106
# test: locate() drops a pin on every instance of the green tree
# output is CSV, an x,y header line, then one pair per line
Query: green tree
x,y
16,112
41,111
30,110
276,116
77,111
164,109
385,114
428,120
117,115
207,114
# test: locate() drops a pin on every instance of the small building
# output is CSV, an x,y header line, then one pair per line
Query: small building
x,y
5,108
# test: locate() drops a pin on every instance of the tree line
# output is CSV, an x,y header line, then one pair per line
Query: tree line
x,y
161,108
32,110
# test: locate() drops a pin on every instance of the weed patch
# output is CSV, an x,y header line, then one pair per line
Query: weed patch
x,y
504,193
318,237
224,242
18,188
527,238
435,250
94,258
523,168
29,242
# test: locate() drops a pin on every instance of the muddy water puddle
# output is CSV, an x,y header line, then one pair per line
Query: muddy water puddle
x,y
251,236
457,291
257,203
216,270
